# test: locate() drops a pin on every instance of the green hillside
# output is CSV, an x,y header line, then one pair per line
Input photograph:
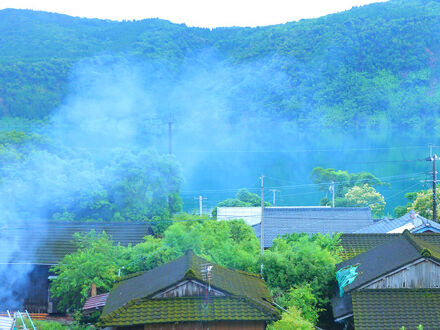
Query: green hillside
x,y
371,66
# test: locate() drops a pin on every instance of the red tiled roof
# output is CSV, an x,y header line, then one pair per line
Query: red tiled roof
x,y
96,301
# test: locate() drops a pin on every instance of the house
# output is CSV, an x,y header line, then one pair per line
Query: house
x,y
388,286
189,293
32,248
324,220
411,221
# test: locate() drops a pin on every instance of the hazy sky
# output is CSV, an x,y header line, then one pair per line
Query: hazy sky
x,y
205,13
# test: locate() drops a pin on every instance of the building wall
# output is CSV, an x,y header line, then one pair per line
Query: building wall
x,y
188,288
423,274
251,215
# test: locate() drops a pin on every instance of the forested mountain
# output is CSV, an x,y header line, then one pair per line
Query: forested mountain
x,y
370,66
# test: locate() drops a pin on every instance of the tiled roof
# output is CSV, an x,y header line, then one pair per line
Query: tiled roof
x,y
280,221
412,222
186,309
95,302
355,243
46,243
389,256
394,308
381,260
235,284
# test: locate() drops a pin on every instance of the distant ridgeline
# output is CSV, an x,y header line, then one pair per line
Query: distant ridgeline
x,y
373,66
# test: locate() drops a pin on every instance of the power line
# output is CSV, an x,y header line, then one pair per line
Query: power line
x,y
305,150
389,178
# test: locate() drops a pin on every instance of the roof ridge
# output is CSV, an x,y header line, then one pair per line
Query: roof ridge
x,y
128,276
425,248
253,275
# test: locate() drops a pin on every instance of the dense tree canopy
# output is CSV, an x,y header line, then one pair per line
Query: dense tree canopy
x,y
298,269
228,243
366,196
367,67
300,260
351,189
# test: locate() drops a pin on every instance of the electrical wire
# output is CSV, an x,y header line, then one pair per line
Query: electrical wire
x,y
389,178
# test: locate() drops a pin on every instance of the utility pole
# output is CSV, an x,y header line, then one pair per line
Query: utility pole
x,y
274,191
332,189
200,198
170,136
262,220
432,158
434,188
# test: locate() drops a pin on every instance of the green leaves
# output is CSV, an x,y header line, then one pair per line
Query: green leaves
x,y
228,243
366,196
96,261
351,189
300,260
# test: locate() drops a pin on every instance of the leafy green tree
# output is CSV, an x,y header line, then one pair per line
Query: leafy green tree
x,y
401,210
297,260
146,189
229,243
366,196
291,319
343,182
302,298
96,262
422,204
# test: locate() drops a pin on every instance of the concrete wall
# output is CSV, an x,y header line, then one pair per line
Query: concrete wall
x,y
251,215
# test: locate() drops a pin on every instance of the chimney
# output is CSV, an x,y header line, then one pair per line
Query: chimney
x,y
93,294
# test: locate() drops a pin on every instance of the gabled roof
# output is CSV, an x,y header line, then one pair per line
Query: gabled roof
x,y
46,243
134,296
395,308
356,243
389,256
383,259
281,221
410,221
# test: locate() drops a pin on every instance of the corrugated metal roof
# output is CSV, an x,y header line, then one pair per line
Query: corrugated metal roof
x,y
280,221
415,223
96,302
46,243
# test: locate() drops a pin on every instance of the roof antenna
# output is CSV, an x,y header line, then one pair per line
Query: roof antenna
x,y
206,272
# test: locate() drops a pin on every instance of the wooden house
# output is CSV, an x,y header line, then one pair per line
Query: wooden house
x,y
189,293
37,246
389,285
